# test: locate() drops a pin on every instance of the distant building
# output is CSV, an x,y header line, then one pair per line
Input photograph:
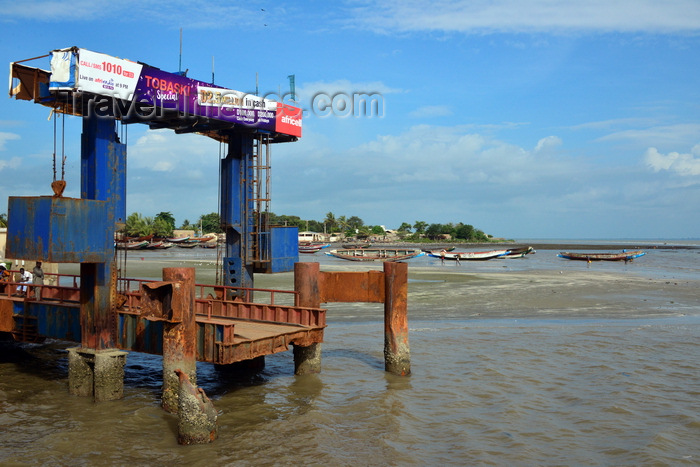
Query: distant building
x,y
311,237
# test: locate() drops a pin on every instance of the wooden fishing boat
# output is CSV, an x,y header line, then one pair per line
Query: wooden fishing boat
x,y
468,255
204,238
188,244
520,252
136,239
159,245
438,250
356,245
622,256
132,245
178,239
312,247
375,254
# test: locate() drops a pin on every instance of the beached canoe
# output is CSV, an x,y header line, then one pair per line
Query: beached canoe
x,y
520,252
312,247
159,245
438,250
468,255
132,245
178,239
375,254
622,256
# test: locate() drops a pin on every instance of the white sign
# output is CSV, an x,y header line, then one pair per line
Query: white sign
x,y
106,75
229,99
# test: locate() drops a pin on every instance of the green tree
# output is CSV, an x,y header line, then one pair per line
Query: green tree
x,y
378,230
405,227
314,226
363,231
162,228
355,222
138,226
186,225
292,221
329,223
168,218
211,223
420,227
465,231
3,220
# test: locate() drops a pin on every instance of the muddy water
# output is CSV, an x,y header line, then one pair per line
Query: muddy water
x,y
532,362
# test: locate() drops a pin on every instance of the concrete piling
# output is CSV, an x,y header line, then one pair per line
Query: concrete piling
x,y
96,373
197,416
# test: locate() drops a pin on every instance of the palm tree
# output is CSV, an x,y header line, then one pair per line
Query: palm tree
x,y
3,220
138,226
330,222
343,224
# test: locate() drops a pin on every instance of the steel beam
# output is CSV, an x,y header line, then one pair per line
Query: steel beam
x,y
237,209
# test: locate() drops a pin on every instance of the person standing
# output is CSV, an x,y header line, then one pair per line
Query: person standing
x,y
38,279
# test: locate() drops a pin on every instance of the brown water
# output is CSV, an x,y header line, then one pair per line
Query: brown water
x,y
532,362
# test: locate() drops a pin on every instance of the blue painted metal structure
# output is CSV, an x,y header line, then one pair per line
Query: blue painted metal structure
x,y
237,210
81,230
58,230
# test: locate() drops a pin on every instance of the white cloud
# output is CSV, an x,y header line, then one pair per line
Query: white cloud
x,y
12,163
684,133
547,144
682,164
165,151
481,16
5,137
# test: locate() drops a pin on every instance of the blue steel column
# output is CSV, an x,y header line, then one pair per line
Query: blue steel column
x,y
103,177
237,209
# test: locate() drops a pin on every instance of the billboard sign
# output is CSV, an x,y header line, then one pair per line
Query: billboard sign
x,y
140,86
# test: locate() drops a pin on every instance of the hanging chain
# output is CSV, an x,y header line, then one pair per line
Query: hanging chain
x,y
54,143
63,147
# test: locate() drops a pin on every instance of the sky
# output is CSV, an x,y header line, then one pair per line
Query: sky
x,y
527,119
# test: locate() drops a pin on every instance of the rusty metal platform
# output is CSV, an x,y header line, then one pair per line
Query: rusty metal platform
x,y
228,331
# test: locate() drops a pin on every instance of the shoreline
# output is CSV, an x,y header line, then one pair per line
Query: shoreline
x,y
588,245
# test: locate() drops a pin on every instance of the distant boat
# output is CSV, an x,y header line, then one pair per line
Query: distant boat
x,y
178,239
159,245
135,239
312,247
468,255
622,256
138,245
204,238
375,254
518,252
438,250
188,244
356,245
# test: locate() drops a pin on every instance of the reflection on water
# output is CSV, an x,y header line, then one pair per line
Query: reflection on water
x,y
524,363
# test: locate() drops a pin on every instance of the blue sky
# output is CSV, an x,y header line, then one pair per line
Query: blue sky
x,y
525,119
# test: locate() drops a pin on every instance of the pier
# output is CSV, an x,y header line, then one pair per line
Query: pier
x,y
185,322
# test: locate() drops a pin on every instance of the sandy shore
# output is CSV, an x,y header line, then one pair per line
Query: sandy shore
x,y
461,293
549,294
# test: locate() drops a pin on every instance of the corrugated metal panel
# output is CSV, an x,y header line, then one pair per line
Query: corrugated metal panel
x,y
284,243
58,230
